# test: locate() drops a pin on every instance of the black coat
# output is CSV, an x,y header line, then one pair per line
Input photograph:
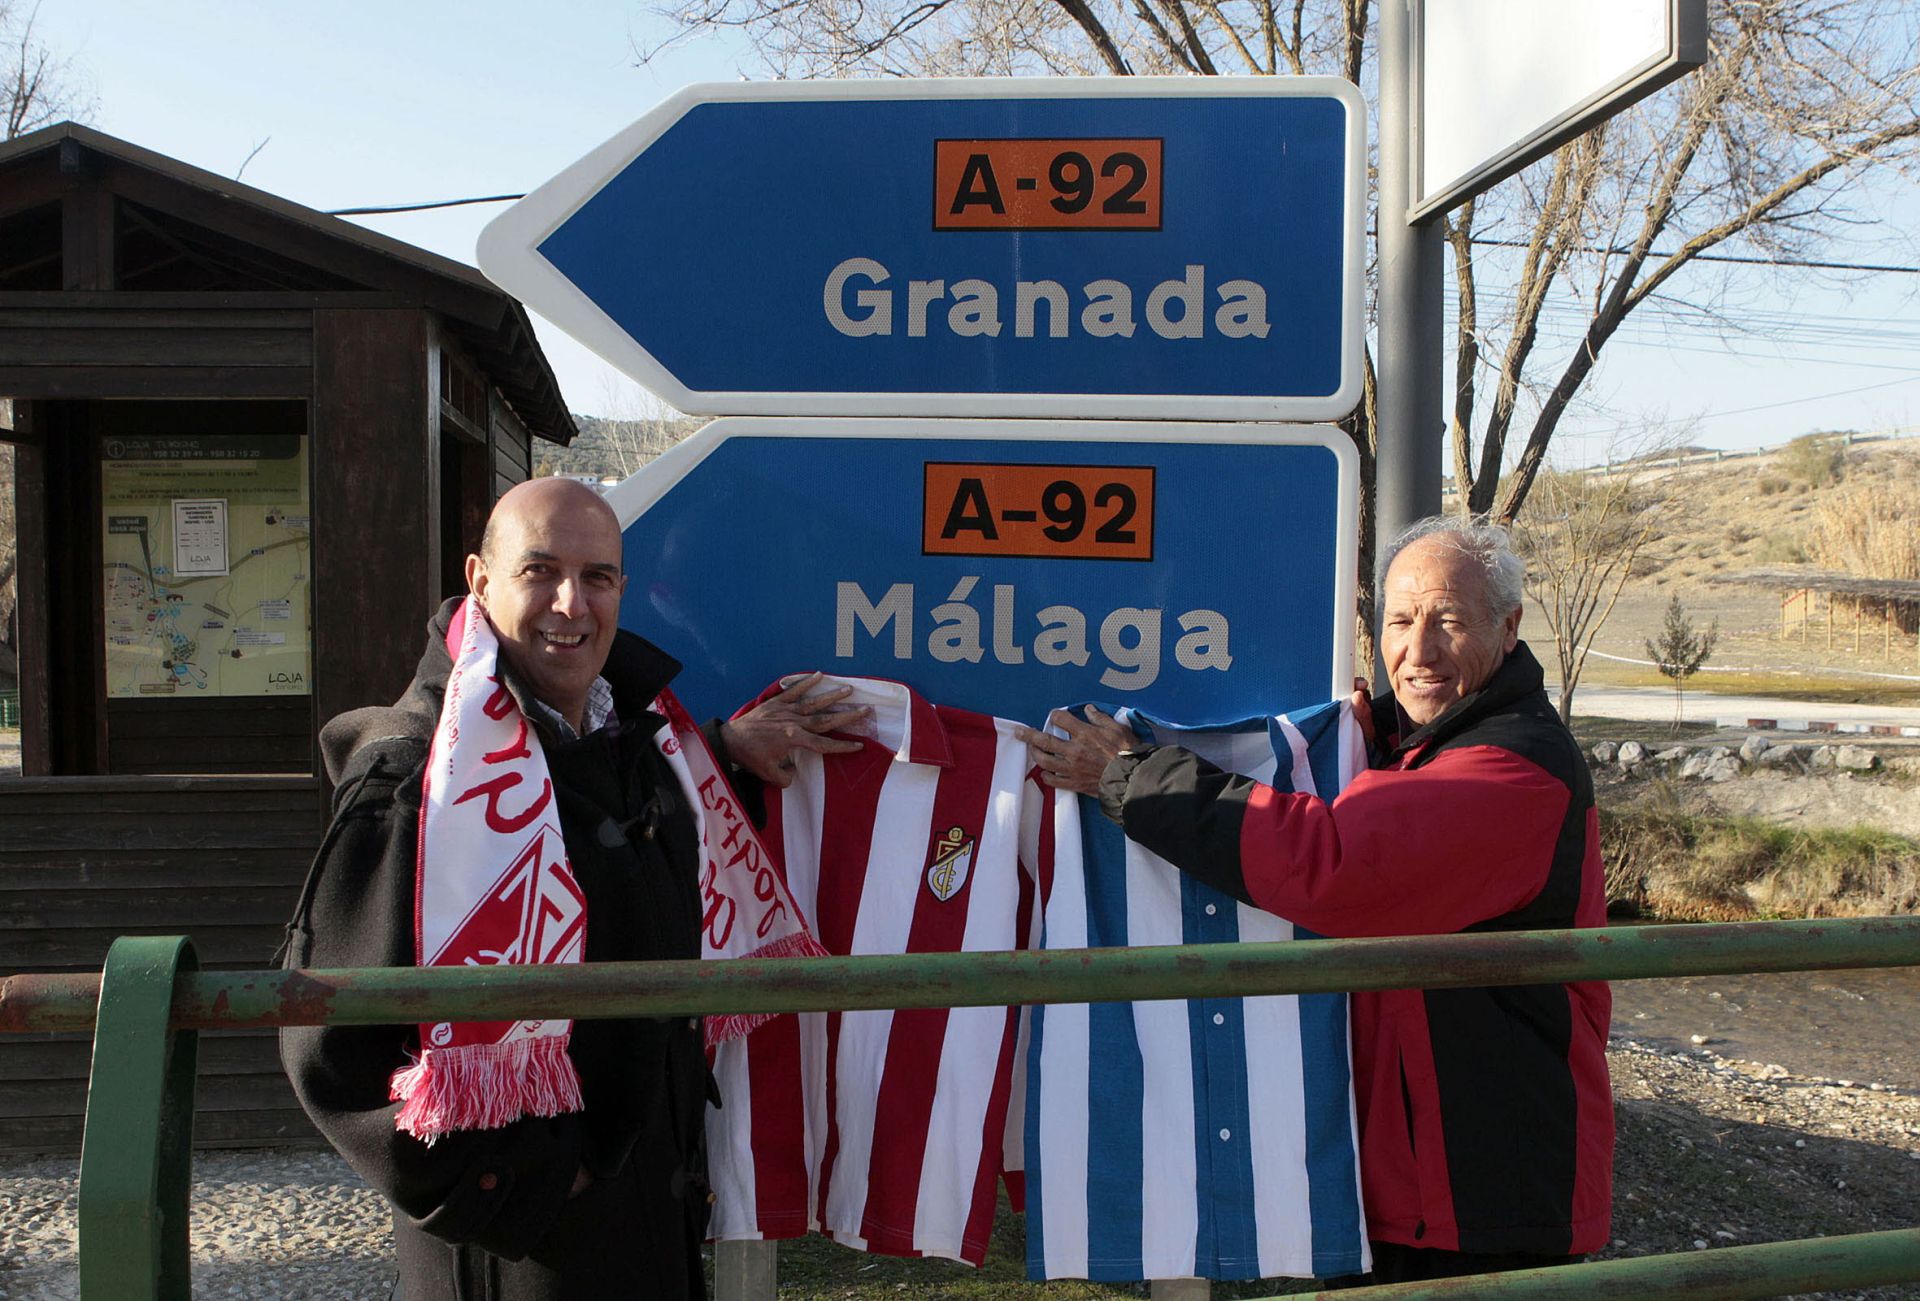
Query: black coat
x,y
499,1197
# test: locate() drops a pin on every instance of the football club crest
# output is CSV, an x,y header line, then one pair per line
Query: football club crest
x,y
952,861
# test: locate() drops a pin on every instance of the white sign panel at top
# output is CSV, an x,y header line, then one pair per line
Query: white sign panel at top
x,y
1500,83
1152,247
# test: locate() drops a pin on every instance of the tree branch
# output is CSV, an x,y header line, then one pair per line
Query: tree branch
x,y
1097,33
1466,356
1200,58
1167,38
1213,11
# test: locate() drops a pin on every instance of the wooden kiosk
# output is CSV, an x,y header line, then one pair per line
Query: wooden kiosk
x,y
253,446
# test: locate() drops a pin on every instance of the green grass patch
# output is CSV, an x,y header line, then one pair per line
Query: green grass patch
x,y
814,1269
1813,688
1667,860
1653,733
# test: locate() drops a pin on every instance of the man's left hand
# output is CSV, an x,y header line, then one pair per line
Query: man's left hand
x,y
1074,762
765,738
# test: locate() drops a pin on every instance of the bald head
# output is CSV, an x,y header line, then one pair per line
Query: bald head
x,y
548,575
540,497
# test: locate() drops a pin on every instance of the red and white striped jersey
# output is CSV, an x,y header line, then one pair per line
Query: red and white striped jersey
x,y
884,1129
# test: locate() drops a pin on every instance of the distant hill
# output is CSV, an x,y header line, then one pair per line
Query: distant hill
x,y
613,449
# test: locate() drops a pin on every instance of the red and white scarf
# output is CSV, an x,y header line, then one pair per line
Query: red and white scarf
x,y
746,909
494,887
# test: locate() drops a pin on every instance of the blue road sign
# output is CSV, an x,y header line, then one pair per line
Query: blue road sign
x,y
1161,248
1201,572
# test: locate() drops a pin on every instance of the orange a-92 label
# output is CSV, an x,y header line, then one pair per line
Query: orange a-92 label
x,y
1085,512
1058,184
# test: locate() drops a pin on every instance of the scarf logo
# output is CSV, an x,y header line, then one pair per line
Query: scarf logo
x,y
534,913
952,863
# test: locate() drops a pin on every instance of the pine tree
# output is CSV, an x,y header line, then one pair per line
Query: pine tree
x,y
1681,650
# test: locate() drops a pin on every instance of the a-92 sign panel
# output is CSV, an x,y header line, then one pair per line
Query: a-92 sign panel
x,y
1159,248
1200,572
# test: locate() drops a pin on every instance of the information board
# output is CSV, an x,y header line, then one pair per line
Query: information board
x,y
207,545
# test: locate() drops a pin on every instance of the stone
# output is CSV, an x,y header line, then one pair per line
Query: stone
x,y
1822,757
1724,768
1718,752
1699,1040
1783,757
1604,751
1631,753
1708,766
1753,747
1855,758
1673,754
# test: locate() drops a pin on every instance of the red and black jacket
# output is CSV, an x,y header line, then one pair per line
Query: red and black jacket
x,y
1486,1117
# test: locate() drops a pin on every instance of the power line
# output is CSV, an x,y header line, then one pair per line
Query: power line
x,y
1817,397
420,207
1808,263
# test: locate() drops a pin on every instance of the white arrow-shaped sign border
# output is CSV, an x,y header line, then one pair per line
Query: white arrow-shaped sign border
x,y
508,255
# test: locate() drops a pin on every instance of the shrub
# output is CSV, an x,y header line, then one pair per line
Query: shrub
x,y
1666,861
1780,549
1769,484
1816,460
1871,529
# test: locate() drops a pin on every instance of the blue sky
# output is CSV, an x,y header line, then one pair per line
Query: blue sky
x,y
410,100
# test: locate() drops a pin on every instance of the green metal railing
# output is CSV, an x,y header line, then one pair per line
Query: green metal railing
x,y
151,1000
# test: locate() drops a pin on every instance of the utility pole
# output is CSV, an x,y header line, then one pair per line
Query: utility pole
x,y
1410,429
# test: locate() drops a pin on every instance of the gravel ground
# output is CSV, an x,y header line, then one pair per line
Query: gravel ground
x,y
1712,1153
273,1224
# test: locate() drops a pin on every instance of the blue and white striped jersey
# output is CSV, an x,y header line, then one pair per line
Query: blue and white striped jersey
x,y
1212,1138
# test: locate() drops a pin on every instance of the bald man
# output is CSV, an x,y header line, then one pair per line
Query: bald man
x,y
609,1199
1486,1120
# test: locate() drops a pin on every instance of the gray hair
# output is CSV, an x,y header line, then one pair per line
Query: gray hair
x,y
1490,544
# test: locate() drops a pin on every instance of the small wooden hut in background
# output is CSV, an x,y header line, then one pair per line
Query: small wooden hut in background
x,y
1876,614
254,444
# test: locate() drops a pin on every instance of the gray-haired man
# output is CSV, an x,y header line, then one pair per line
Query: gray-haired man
x,y
1486,1119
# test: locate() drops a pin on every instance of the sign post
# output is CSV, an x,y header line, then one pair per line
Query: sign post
x,y
1133,247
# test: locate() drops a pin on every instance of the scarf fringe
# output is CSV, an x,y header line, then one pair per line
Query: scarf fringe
x,y
732,1025
484,1086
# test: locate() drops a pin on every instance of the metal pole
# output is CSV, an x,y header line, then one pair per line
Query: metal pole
x,y
136,1153
746,1271
405,995
1762,1270
1410,431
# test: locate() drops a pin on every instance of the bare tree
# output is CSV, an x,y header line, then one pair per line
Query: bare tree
x,y
42,87
1752,156
636,426
1580,535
